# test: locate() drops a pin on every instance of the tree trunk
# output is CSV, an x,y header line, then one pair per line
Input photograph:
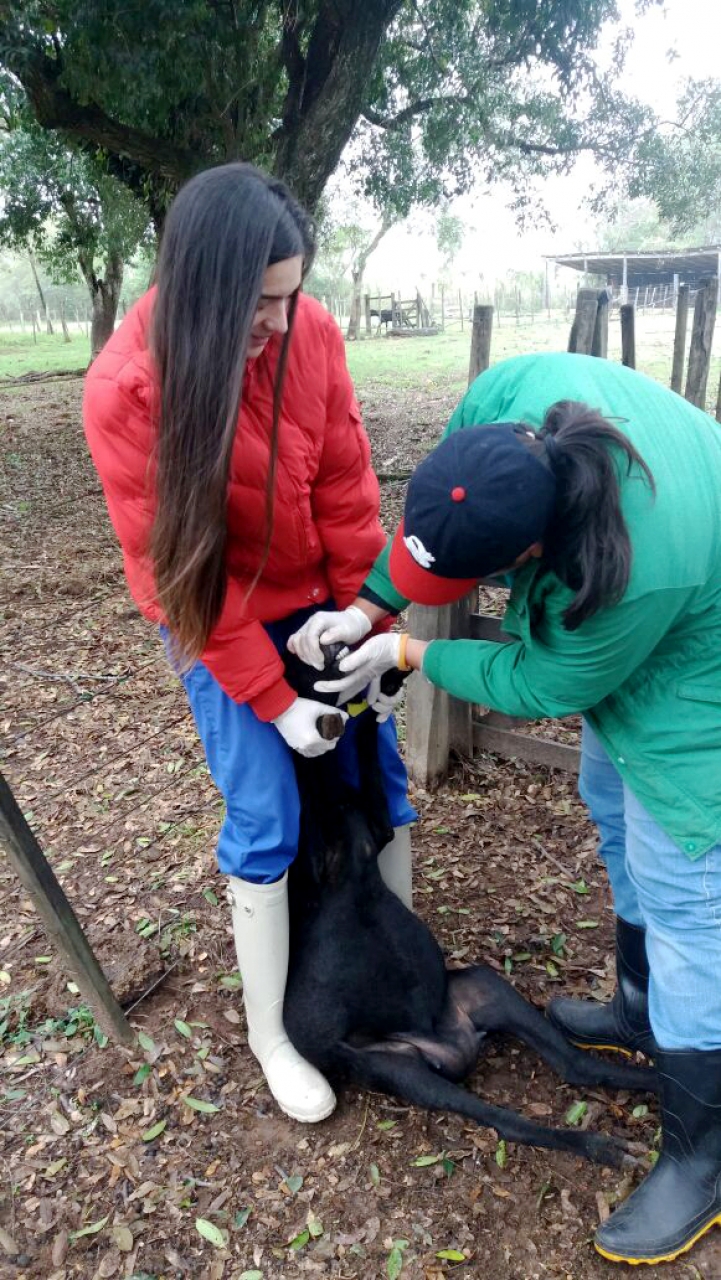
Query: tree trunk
x,y
104,296
328,91
63,321
41,295
358,273
355,304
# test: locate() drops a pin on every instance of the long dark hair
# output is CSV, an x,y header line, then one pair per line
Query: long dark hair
x,y
223,230
587,544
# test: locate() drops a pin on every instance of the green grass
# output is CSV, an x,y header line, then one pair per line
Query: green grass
x,y
418,365
19,354
441,363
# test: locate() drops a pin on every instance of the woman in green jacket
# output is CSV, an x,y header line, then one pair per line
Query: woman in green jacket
x,y
599,493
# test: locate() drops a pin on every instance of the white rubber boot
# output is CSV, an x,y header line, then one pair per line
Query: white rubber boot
x,y
260,926
395,866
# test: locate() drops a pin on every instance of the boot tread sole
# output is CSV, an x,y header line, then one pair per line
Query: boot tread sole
x,y
604,1048
660,1257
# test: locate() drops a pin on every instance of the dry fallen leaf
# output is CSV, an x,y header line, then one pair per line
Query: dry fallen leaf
x,y
602,1205
59,1124
109,1265
123,1237
8,1245
60,1248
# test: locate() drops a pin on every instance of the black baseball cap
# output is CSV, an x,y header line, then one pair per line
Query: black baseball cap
x,y
474,505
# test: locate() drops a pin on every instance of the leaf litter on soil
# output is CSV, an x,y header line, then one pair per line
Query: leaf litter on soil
x,y
114,1158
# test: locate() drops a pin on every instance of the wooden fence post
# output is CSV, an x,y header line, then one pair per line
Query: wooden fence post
x,y
443,309
628,335
58,917
367,309
679,341
395,313
480,341
584,324
599,342
699,355
436,723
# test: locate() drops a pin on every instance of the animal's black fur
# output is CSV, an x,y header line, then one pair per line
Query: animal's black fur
x,y
369,998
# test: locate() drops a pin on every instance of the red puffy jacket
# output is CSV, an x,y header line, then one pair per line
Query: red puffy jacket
x,y
326,531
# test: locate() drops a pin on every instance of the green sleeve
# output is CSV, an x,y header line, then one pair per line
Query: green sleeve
x,y
560,672
379,583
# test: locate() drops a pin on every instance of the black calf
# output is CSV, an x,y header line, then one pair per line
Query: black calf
x,y
385,316
369,998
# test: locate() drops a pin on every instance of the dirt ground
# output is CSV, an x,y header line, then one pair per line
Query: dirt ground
x,y
171,1160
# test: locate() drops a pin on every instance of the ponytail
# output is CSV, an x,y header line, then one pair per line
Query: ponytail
x,y
588,544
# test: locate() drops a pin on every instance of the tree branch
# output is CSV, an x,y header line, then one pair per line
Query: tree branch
x,y
291,58
56,109
341,54
428,41
394,123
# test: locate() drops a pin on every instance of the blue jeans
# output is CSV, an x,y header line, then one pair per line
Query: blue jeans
x,y
677,901
252,767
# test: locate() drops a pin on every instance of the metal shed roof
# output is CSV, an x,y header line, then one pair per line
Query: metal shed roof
x,y
669,262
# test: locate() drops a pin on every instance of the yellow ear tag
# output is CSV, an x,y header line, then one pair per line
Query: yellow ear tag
x,y
356,708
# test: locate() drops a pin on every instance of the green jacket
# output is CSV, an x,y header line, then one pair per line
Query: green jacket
x,y
647,671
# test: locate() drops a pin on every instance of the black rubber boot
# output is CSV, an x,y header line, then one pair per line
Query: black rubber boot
x,y
622,1024
681,1197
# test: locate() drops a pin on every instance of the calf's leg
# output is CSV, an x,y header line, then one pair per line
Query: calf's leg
x,y
493,1004
401,1070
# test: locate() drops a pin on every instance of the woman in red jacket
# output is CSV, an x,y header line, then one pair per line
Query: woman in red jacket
x,y
223,425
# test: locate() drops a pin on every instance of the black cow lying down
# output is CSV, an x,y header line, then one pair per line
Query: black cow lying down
x,y
369,998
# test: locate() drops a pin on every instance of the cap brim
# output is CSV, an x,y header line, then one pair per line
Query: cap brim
x,y
419,584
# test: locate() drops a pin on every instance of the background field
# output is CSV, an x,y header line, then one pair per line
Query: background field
x,y
419,365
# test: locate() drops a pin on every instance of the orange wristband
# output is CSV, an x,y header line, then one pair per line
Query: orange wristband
x,y
402,661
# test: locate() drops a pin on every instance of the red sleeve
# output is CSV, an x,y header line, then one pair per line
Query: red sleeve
x,y
118,432
346,497
239,654
243,659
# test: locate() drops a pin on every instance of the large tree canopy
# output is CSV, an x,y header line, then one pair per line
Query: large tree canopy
x,y
679,165
427,92
62,208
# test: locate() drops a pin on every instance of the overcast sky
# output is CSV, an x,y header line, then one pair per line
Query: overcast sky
x,y
691,29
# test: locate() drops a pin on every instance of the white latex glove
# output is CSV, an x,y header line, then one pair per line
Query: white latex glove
x,y
325,627
376,656
384,704
298,726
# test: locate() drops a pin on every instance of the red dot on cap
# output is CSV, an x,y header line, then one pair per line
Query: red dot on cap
x,y
458,494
